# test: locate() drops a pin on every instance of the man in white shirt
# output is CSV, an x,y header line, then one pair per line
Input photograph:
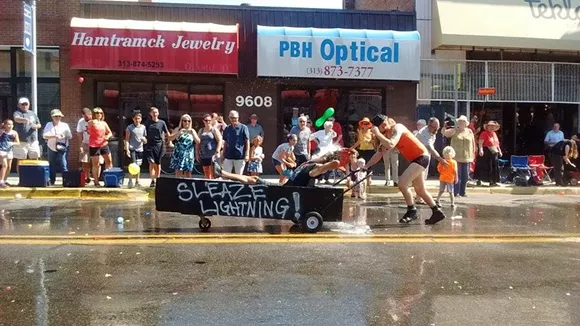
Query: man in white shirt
x,y
83,138
553,136
57,135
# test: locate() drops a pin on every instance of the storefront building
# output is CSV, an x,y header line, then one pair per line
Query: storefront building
x,y
527,50
256,60
131,56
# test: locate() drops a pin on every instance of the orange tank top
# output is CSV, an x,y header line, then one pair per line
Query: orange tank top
x,y
97,135
410,147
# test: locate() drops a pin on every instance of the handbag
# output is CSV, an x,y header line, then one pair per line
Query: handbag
x,y
61,147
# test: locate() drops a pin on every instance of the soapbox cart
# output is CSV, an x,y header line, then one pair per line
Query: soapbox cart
x,y
306,206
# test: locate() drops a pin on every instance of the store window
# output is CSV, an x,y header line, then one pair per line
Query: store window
x,y
4,64
47,63
108,100
206,99
350,105
172,100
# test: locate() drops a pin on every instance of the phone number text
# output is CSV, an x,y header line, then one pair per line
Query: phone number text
x,y
340,71
139,64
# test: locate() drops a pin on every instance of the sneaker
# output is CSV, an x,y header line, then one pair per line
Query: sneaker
x,y
137,184
436,217
386,183
3,185
152,185
409,216
438,203
395,184
130,184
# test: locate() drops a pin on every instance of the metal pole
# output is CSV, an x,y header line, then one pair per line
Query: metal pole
x,y
34,72
456,91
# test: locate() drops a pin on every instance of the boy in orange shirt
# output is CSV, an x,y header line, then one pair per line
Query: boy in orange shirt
x,y
447,175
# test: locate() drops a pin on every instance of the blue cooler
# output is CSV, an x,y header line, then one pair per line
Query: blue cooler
x,y
32,173
113,177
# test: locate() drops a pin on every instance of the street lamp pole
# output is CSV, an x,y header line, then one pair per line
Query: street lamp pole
x,y
34,86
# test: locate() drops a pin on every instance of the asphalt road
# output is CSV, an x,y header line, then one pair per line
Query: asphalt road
x,y
501,261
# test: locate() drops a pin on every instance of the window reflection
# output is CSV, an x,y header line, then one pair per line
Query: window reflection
x,y
48,99
108,100
47,63
172,101
4,64
350,105
205,99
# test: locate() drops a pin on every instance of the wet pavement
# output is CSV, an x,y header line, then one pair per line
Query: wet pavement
x,y
262,273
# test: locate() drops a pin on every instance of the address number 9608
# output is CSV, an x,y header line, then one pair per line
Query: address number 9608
x,y
253,101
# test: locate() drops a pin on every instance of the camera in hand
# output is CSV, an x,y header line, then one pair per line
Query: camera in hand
x,y
450,122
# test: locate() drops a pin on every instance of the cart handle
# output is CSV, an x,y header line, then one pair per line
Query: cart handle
x,y
343,178
369,174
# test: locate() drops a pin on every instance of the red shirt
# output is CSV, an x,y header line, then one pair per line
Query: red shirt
x,y
338,129
489,138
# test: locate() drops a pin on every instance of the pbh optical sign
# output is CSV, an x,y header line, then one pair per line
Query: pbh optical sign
x,y
338,53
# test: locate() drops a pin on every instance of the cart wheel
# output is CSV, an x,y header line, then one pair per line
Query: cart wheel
x,y
204,223
312,222
574,182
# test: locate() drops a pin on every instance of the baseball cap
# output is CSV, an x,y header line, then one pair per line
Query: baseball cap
x,y
378,120
23,100
56,113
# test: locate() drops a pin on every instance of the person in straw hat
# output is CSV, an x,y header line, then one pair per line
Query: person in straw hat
x,y
486,166
462,140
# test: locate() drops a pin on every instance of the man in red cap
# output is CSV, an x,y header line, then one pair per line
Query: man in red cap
x,y
304,176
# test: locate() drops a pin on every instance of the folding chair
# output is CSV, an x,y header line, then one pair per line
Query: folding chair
x,y
538,162
504,172
520,170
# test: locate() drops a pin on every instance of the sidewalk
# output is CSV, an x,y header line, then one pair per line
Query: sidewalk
x,y
147,193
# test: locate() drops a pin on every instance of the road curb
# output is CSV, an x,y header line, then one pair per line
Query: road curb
x,y
145,194
75,193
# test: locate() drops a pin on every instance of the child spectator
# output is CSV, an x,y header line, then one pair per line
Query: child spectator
x,y
284,158
8,138
135,138
447,175
256,157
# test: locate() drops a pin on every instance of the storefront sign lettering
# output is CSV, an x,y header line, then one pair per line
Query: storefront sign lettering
x,y
234,199
393,57
154,50
329,51
554,9
253,101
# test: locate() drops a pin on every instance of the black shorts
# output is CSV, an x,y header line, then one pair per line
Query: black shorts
x,y
98,151
422,160
206,161
153,153
137,157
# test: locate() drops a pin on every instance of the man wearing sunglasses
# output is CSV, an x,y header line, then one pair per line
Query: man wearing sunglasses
x,y
26,124
236,140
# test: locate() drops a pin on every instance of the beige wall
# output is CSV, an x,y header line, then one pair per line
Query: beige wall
x,y
503,24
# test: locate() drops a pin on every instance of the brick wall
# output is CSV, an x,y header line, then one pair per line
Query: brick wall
x,y
53,21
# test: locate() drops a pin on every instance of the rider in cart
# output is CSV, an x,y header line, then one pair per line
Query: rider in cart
x,y
304,176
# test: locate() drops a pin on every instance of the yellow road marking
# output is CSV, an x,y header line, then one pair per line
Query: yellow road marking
x,y
287,236
283,239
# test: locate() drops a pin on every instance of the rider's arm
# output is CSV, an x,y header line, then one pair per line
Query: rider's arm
x,y
389,143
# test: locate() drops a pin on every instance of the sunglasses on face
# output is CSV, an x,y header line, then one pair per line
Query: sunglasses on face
x,y
208,121
24,104
185,120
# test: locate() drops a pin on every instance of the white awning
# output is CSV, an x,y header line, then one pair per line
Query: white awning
x,y
505,24
152,25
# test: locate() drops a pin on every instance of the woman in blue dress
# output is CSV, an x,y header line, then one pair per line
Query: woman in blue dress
x,y
183,157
